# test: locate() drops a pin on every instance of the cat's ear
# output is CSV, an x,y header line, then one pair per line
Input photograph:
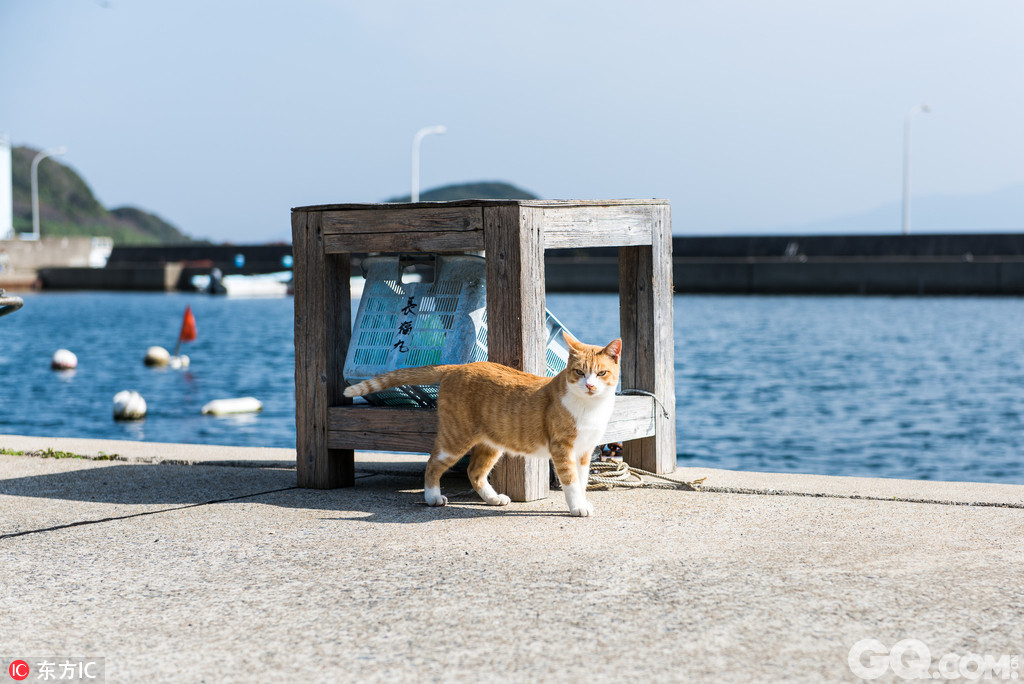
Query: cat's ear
x,y
614,349
571,341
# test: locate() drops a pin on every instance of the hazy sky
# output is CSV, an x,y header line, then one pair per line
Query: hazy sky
x,y
222,115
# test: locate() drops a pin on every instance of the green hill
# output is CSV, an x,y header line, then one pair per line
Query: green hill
x,y
67,207
461,191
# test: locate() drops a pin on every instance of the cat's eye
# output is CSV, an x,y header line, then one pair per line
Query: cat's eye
x,y
602,373
578,372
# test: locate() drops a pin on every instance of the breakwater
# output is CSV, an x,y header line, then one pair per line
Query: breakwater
x,y
852,264
167,267
980,264
20,260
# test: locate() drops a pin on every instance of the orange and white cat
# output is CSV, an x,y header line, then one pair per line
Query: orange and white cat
x,y
489,409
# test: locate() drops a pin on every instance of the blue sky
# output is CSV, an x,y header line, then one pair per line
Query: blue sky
x,y
749,116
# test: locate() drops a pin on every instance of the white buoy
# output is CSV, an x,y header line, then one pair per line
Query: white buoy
x,y
179,362
219,407
129,405
63,360
157,356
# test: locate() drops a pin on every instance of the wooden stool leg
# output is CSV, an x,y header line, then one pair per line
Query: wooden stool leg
x,y
515,331
323,327
645,318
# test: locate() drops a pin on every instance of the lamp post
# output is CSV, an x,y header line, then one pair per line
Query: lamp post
x,y
417,139
53,151
906,164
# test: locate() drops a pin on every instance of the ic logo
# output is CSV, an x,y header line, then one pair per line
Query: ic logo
x,y
18,670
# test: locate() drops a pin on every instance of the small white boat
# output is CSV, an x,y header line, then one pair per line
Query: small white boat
x,y
238,285
259,285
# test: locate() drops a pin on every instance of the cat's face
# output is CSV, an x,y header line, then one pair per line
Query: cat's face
x,y
592,371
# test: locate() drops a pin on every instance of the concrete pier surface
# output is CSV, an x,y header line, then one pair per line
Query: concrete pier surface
x,y
189,563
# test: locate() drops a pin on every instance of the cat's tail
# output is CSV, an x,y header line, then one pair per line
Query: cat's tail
x,y
423,375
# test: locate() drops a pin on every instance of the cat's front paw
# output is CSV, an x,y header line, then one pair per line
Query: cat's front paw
x,y
435,498
584,511
499,500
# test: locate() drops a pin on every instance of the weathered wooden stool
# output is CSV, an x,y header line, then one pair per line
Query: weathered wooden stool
x,y
513,235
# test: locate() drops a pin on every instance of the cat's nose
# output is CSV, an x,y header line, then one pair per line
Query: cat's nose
x,y
590,387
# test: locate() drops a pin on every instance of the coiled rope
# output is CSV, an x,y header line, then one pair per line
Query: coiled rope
x,y
608,474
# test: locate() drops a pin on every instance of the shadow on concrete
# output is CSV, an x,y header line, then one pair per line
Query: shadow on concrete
x,y
383,502
131,484
384,498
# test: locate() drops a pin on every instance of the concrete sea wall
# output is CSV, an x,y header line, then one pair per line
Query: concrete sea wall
x,y
20,260
961,264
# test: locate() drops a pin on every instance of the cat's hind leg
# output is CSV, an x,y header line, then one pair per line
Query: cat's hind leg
x,y
480,464
440,460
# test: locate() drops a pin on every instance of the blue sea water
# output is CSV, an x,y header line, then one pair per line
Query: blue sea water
x,y
919,388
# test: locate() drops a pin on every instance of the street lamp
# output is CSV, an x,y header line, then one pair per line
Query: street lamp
x,y
906,164
34,235
417,139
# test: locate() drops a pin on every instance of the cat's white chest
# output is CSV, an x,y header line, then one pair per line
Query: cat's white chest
x,y
591,416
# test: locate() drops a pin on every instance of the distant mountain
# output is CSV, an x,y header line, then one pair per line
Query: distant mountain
x,y
461,191
995,212
67,207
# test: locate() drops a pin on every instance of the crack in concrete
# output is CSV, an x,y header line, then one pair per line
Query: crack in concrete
x,y
855,497
78,523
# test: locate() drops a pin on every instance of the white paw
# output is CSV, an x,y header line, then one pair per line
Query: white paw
x,y
584,511
436,499
433,496
499,500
